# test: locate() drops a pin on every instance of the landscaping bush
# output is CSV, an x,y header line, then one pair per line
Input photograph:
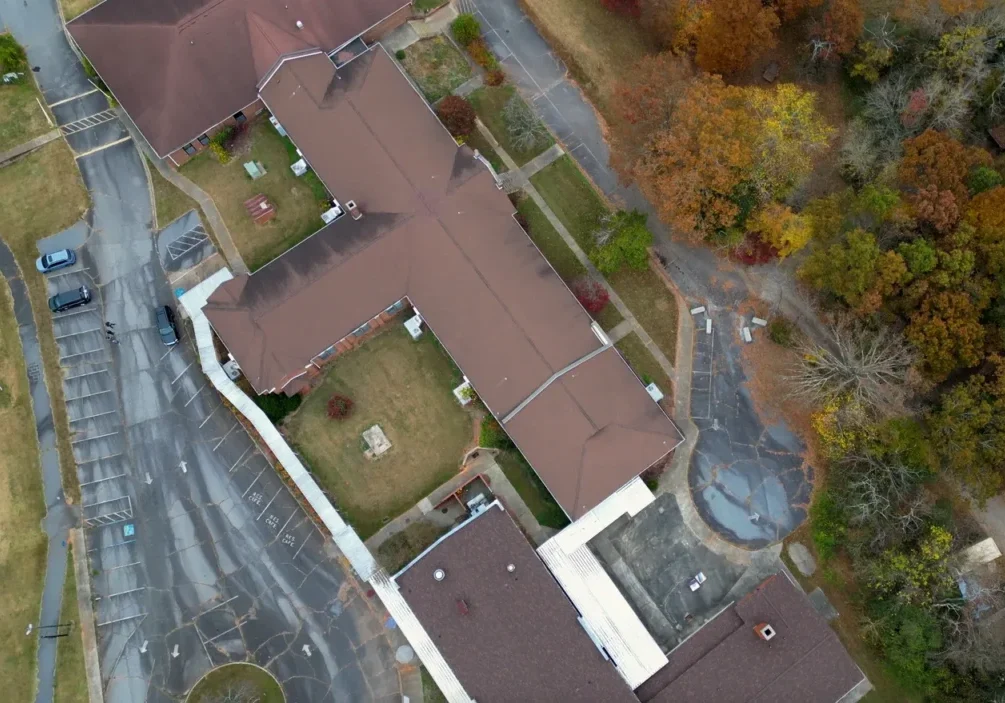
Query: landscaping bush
x,y
651,476
525,130
827,525
782,332
339,407
12,56
493,436
495,77
591,294
219,152
622,239
457,115
277,406
400,54
521,220
465,29
483,56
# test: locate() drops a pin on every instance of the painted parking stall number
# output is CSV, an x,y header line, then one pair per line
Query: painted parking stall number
x,y
272,521
256,498
289,539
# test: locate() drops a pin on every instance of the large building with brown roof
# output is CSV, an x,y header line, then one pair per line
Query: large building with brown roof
x,y
437,231
733,659
182,67
501,622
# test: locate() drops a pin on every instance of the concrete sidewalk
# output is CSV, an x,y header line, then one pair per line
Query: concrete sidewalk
x,y
28,147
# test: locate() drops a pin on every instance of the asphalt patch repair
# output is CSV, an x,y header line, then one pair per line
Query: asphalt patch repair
x,y
749,478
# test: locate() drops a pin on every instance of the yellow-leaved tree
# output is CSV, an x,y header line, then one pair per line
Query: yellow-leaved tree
x,y
783,229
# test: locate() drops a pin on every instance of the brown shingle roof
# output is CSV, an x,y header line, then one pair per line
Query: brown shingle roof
x,y
805,661
181,66
437,230
508,636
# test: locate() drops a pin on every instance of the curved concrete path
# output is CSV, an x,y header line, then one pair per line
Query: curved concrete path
x,y
59,516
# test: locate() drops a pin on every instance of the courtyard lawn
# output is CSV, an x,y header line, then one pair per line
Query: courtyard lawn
x,y
489,102
399,549
171,202
558,253
405,387
298,207
237,682
578,205
75,8
475,140
43,193
21,117
22,542
436,66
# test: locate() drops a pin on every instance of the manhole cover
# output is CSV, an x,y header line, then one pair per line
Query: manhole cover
x,y
405,654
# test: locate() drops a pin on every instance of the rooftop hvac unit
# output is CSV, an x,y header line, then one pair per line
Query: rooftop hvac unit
x,y
414,326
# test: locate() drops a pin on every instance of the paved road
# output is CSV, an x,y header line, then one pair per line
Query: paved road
x,y
59,517
746,478
199,553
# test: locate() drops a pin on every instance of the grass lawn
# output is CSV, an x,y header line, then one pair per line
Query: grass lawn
x,y
577,204
530,488
431,693
71,679
489,102
22,507
21,117
653,305
298,208
425,6
436,66
405,387
172,203
475,140
643,363
255,683
399,549
598,46
43,194
557,252
73,8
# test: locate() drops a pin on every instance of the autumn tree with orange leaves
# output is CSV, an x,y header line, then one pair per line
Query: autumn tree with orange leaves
x,y
733,33
934,172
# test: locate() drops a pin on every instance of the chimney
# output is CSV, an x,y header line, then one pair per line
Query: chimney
x,y
354,210
764,631
300,25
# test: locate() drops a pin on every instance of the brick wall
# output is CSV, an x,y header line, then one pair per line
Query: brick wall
x,y
179,157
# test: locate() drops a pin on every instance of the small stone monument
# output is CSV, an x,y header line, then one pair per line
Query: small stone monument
x,y
375,441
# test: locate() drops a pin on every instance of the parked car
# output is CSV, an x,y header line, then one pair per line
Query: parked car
x,y
70,299
56,260
166,325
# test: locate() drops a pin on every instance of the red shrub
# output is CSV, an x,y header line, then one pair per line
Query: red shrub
x,y
339,407
622,7
482,55
457,115
591,294
496,77
754,251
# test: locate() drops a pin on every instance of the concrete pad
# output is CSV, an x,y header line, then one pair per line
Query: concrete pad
x,y
802,558
70,238
823,606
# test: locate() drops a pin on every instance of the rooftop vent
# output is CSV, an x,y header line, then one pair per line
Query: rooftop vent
x,y
764,631
300,25
439,574
462,606
511,568
354,210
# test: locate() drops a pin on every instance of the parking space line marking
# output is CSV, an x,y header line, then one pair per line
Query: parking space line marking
x,y
239,459
253,482
88,395
194,395
91,417
101,148
74,334
224,438
304,544
283,528
89,351
268,504
224,632
82,375
208,416
124,593
99,458
128,617
218,605
91,439
111,546
64,315
182,373
123,566
75,97
104,502
100,480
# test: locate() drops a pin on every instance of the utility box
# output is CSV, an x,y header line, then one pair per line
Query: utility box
x,y
279,127
299,168
654,392
414,327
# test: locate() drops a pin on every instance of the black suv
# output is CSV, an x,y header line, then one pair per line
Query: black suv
x,y
166,325
69,299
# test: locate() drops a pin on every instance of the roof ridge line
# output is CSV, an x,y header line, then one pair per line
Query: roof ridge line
x,y
554,377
